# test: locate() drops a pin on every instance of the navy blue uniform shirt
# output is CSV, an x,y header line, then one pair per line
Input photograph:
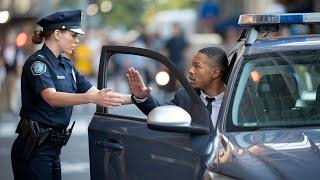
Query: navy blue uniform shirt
x,y
43,70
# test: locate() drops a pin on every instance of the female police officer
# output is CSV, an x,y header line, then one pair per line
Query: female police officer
x,y
50,86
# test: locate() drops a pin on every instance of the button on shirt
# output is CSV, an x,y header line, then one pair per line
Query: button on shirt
x,y
216,104
43,70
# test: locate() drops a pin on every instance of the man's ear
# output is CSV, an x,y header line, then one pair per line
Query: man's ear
x,y
216,72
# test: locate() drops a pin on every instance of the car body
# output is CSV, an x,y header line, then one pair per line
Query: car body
x,y
267,128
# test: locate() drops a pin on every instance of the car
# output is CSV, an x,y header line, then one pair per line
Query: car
x,y
267,128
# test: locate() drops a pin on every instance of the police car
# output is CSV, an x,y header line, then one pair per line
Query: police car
x,y
268,125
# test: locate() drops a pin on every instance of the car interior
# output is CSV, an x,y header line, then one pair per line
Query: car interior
x,y
279,100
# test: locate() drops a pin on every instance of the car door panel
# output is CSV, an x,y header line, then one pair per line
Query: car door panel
x,y
146,153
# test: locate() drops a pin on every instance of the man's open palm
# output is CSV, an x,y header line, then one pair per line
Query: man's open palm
x,y
136,84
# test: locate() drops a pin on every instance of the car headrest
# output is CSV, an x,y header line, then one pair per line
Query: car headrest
x,y
279,92
278,85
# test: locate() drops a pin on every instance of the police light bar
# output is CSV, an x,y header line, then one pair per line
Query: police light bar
x,y
288,18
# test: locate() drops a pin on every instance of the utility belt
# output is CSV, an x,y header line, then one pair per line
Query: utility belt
x,y
35,134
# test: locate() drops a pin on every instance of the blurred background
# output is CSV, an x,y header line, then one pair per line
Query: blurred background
x,y
176,29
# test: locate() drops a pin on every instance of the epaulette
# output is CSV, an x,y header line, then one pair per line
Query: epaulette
x,y
37,56
41,57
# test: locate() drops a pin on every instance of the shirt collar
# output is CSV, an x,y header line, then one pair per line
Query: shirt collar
x,y
51,57
218,98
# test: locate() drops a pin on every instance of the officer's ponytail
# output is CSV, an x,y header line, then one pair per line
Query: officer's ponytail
x,y
39,36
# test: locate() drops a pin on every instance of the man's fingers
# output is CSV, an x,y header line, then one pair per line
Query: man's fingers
x,y
135,78
132,75
130,83
139,78
129,75
128,78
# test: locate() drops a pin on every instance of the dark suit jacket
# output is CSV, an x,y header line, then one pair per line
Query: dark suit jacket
x,y
181,99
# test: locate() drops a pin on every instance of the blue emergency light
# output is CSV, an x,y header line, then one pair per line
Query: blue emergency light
x,y
288,18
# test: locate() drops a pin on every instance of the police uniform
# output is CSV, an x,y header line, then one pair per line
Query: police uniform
x,y
41,71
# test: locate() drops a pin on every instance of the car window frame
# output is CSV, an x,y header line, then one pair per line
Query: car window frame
x,y
200,118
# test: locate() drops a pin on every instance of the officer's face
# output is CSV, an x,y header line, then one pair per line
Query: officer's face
x,y
68,41
202,72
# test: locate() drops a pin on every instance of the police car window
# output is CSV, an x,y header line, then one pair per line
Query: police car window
x,y
154,74
277,90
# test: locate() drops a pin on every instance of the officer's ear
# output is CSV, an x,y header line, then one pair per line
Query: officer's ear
x,y
56,34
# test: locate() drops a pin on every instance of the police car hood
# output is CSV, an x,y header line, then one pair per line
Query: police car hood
x,y
276,154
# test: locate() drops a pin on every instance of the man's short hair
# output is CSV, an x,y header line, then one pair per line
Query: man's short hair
x,y
217,56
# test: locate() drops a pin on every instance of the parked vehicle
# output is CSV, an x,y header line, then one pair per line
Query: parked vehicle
x,y
268,125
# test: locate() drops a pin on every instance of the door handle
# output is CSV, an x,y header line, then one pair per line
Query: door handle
x,y
109,145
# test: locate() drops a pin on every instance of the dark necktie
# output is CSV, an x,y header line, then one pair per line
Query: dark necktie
x,y
209,105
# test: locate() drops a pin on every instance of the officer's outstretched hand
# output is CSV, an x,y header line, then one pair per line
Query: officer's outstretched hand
x,y
136,84
106,98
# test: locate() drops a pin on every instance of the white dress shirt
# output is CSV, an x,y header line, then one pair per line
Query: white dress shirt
x,y
216,104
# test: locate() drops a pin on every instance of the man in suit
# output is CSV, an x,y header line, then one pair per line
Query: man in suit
x,y
206,75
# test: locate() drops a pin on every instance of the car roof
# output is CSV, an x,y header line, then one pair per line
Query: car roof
x,y
292,43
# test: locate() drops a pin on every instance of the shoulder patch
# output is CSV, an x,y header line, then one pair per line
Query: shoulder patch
x,y
38,67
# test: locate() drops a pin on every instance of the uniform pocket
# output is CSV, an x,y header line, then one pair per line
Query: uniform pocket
x,y
61,85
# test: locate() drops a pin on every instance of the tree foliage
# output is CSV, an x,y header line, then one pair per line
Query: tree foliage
x,y
126,13
132,13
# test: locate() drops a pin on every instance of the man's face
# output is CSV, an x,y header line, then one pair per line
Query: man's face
x,y
201,72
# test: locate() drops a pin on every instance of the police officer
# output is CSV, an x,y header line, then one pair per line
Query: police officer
x,y
50,86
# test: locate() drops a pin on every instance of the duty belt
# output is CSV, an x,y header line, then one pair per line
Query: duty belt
x,y
35,134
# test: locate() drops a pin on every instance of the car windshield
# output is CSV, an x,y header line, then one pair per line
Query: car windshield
x,y
277,90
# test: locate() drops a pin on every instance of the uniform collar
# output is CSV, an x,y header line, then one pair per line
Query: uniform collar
x,y
51,57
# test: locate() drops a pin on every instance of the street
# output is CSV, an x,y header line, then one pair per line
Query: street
x,y
74,156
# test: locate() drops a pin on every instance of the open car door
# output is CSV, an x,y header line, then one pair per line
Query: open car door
x,y
123,145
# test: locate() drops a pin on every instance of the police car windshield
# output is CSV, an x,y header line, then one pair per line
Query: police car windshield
x,y
277,90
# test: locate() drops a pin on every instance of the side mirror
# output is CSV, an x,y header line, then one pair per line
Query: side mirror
x,y
169,116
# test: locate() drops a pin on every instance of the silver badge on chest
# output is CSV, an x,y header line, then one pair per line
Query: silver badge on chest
x,y
74,76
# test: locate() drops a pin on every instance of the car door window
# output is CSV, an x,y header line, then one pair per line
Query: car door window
x,y
154,74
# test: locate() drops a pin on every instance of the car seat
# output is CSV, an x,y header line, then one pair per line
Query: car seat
x,y
315,112
251,108
279,93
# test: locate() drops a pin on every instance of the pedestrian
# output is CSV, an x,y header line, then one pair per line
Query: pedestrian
x,y
176,47
50,86
207,76
13,58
